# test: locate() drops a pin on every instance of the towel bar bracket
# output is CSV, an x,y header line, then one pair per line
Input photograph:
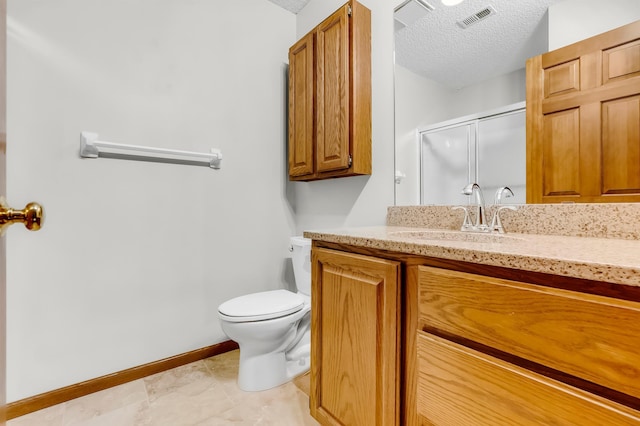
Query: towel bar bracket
x,y
87,147
216,159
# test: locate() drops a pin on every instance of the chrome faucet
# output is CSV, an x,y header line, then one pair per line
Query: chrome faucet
x,y
466,222
496,223
508,193
481,218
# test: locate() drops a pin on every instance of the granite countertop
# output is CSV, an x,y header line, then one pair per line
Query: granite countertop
x,y
604,259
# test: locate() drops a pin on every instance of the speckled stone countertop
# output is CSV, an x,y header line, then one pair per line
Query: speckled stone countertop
x,y
604,255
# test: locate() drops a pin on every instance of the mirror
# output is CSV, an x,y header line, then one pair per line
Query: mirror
x,y
461,62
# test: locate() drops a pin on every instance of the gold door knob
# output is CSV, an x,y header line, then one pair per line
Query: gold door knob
x,y
32,216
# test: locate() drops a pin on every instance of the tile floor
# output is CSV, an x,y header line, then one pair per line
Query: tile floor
x,y
202,393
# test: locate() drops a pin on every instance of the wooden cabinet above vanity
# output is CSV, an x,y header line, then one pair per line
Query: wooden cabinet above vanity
x,y
583,120
476,340
330,98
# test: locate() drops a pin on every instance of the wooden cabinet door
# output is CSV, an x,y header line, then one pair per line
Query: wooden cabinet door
x,y
583,120
332,37
460,386
354,339
590,337
301,102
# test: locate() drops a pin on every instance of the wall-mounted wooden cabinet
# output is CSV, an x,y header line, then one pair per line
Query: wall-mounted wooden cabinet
x,y
330,98
583,120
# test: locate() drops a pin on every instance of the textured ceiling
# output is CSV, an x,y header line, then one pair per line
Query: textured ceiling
x,y
294,6
437,48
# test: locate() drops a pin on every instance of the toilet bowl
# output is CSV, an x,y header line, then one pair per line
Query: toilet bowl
x,y
272,328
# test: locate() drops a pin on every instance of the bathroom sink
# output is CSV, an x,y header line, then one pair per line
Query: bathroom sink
x,y
442,235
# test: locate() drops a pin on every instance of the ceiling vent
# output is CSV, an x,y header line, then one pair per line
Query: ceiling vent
x,y
477,17
411,11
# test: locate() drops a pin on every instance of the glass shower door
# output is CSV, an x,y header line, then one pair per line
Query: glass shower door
x,y
502,155
448,158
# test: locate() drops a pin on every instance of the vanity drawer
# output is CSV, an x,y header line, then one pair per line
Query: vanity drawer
x,y
459,386
591,337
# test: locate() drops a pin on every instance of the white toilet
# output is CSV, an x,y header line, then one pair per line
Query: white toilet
x,y
272,328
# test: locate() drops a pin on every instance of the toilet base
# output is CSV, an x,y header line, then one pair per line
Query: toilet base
x,y
262,372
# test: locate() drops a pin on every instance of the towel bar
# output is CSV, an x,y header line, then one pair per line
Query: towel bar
x,y
91,147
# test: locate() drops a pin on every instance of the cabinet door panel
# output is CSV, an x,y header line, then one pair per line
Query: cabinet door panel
x,y
301,113
622,61
459,386
355,362
561,153
333,93
562,79
621,146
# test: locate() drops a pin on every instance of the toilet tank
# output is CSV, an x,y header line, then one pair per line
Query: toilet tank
x,y
301,259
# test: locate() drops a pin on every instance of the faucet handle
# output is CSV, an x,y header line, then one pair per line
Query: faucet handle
x,y
496,223
466,222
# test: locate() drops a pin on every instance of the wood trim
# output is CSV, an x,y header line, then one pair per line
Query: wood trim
x,y
360,86
409,347
534,89
67,393
615,90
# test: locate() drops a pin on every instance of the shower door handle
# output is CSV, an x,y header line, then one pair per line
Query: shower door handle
x,y
32,216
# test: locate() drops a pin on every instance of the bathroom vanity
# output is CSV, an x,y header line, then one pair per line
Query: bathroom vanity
x,y
417,323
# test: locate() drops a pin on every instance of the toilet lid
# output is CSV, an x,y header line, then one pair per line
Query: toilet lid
x,y
261,306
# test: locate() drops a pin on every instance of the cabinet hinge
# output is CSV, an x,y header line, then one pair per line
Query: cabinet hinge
x,y
349,10
350,160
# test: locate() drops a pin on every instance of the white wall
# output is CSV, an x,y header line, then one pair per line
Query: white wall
x,y
135,257
574,20
418,102
503,90
361,200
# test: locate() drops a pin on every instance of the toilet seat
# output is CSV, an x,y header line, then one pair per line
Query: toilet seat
x,y
261,306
